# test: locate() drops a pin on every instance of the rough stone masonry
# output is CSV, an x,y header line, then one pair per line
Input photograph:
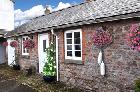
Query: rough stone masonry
x,y
122,63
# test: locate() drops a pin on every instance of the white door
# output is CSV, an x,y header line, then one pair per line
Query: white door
x,y
11,52
43,43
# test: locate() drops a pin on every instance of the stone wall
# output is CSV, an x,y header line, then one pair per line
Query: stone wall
x,y
122,63
32,58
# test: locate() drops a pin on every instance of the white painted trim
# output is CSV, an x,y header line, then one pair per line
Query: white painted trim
x,y
10,52
39,35
22,45
73,54
57,63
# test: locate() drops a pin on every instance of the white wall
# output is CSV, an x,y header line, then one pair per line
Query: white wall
x,y
6,15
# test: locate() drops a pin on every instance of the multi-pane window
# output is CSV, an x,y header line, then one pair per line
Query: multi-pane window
x,y
73,44
24,50
44,45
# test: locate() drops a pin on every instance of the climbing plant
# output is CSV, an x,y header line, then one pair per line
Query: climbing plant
x,y
50,65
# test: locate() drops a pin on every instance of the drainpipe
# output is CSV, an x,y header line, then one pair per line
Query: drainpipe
x,y
101,63
57,64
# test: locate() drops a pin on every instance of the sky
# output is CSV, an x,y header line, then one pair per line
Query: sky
x,y
25,10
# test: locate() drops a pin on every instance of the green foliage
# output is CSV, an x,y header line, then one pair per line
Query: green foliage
x,y
50,66
137,85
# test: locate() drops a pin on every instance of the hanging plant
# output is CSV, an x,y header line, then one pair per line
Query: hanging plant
x,y
133,37
14,43
101,38
29,44
5,44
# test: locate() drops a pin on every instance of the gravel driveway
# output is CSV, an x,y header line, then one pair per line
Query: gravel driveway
x,y
9,85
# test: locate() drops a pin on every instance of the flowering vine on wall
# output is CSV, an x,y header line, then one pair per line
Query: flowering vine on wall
x,y
29,44
133,37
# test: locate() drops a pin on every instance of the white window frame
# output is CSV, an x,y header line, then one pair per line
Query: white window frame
x,y
73,50
23,46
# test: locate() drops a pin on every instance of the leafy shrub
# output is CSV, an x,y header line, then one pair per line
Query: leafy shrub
x,y
137,85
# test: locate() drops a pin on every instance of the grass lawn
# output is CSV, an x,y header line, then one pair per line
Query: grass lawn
x,y
35,81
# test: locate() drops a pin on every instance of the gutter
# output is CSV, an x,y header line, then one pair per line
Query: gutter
x,y
86,22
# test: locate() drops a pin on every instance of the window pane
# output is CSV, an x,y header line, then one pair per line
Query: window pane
x,y
32,37
69,41
44,45
23,50
78,53
27,38
77,47
27,50
69,53
69,35
23,39
77,41
69,47
76,34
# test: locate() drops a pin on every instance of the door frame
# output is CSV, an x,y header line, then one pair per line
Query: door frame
x,y
39,35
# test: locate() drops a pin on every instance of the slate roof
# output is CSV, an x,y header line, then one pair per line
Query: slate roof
x,y
80,13
2,31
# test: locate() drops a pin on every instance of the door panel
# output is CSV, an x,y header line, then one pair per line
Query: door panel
x,y
11,52
43,44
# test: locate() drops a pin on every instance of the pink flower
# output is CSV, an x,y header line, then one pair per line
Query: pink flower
x,y
133,37
14,44
5,44
131,34
101,38
138,48
139,32
29,44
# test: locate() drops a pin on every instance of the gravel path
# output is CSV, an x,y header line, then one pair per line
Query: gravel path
x,y
9,85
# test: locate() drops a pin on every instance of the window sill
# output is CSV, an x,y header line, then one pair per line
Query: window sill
x,y
70,61
26,56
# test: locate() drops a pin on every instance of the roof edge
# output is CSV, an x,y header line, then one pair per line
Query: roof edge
x,y
86,22
64,9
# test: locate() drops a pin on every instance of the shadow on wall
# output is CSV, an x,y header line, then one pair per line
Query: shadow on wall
x,y
2,51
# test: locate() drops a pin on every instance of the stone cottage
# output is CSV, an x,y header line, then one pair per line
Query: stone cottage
x,y
74,27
